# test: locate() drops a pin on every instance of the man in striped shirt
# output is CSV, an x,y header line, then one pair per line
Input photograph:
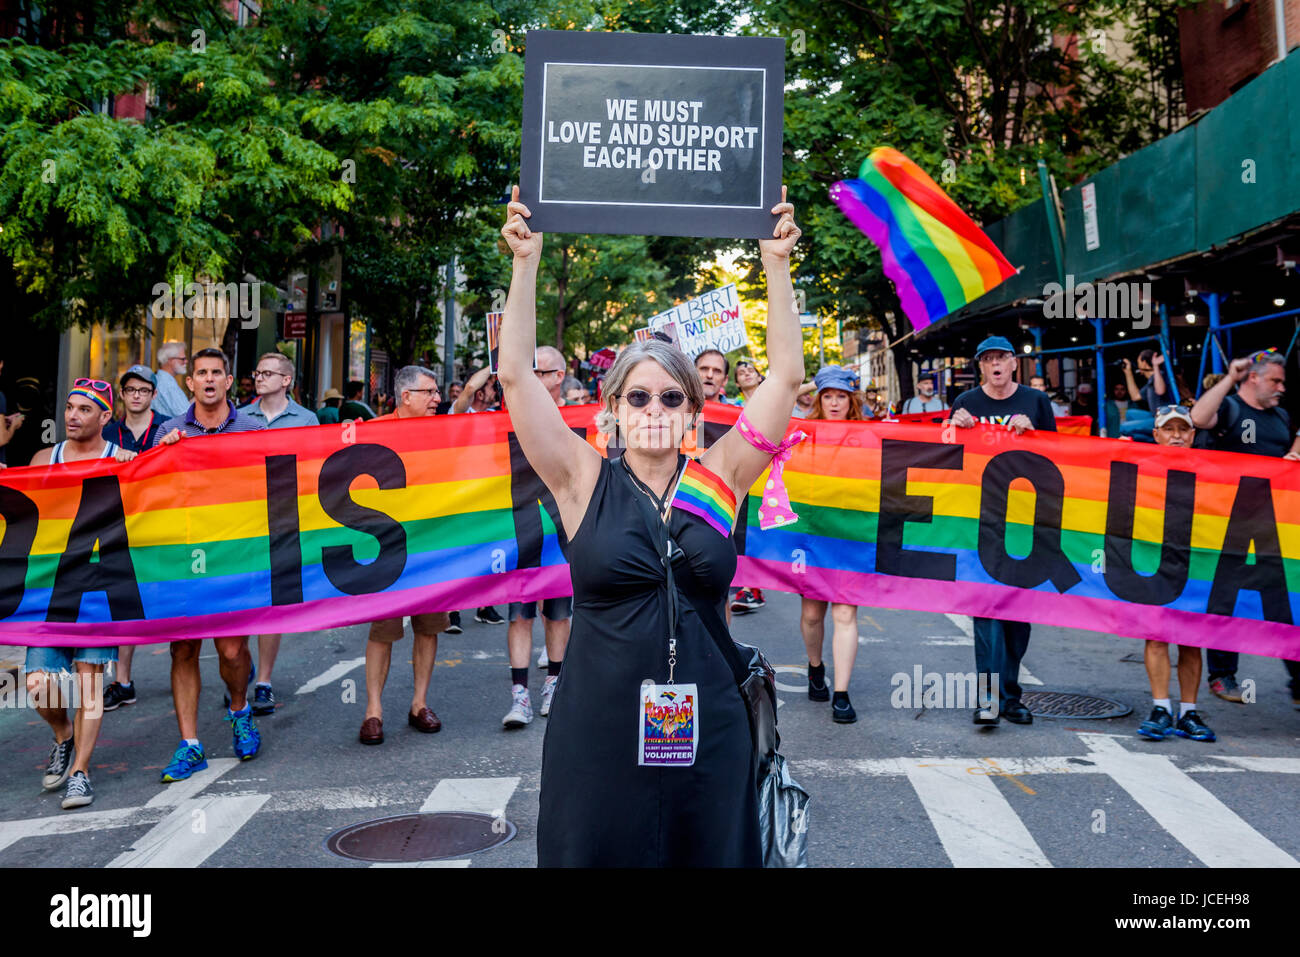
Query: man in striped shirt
x,y
211,413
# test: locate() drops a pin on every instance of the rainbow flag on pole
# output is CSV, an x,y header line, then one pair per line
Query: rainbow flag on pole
x,y
937,257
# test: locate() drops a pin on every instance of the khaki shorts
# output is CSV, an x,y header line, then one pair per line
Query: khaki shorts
x,y
390,629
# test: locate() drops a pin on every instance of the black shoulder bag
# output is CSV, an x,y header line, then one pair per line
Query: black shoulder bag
x,y
782,803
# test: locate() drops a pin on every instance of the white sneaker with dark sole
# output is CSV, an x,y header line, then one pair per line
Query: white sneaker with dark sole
x,y
521,708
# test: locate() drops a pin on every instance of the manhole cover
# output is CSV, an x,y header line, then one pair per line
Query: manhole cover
x,y
420,837
1069,704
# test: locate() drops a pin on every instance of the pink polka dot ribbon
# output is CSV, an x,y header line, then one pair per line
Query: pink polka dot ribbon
x,y
774,510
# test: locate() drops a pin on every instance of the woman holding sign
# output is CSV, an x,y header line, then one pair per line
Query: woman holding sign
x,y
648,759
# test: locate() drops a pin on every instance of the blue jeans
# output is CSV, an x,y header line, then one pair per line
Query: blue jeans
x,y
1219,664
999,646
54,660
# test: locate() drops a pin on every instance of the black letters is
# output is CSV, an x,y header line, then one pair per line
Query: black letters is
x,y
897,508
1175,548
1252,520
1045,560
100,518
21,518
339,561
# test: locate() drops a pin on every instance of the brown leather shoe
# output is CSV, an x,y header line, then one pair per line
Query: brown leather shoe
x,y
372,731
425,721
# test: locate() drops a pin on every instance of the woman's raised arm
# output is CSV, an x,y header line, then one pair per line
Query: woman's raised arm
x,y
566,464
771,405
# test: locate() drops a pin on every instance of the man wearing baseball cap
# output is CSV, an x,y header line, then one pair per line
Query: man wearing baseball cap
x,y
1173,428
139,424
999,400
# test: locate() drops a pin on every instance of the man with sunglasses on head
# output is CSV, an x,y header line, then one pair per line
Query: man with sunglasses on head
x,y
1249,420
417,397
87,411
211,413
273,408
529,497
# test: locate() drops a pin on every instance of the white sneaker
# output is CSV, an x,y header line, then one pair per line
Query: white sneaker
x,y
542,660
548,692
521,708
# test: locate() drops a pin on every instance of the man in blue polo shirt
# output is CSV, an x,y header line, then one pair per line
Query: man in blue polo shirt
x,y
211,413
274,408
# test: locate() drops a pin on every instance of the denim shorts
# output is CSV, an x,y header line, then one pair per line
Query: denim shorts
x,y
553,609
61,659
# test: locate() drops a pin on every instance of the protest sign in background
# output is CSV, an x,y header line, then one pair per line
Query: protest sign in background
x,y
652,135
711,320
303,529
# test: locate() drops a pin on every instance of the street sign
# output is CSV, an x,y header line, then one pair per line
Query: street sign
x,y
295,325
652,135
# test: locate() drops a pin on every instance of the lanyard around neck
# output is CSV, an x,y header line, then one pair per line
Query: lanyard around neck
x,y
661,501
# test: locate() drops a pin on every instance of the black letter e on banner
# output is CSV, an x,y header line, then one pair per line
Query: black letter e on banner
x,y
1045,559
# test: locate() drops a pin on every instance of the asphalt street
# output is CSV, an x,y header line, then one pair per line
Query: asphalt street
x,y
902,787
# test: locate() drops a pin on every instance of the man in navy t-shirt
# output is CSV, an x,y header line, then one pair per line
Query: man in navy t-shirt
x,y
1000,400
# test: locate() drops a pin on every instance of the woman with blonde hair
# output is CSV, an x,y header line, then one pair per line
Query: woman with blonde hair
x,y
838,399
609,795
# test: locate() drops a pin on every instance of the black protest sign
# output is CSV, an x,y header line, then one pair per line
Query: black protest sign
x,y
652,135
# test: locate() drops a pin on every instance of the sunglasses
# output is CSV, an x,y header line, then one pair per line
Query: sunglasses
x,y
99,385
640,398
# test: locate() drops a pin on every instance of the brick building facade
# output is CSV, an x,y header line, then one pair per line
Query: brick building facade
x,y
1224,44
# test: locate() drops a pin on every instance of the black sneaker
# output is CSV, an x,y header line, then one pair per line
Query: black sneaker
x,y
745,601
489,616
263,700
56,772
454,628
117,694
1017,713
986,716
819,693
79,792
1191,726
1157,727
842,711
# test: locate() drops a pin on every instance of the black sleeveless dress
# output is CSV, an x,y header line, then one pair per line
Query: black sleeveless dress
x,y
598,807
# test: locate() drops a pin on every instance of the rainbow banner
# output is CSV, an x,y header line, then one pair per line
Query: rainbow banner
x,y
937,257
304,529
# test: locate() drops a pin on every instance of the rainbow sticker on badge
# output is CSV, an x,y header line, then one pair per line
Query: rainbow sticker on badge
x,y
669,724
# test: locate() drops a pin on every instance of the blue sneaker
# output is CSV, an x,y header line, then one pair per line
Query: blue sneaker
x,y
1159,726
187,759
1191,726
247,739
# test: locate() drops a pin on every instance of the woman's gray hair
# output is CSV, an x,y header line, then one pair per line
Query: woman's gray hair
x,y
671,359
